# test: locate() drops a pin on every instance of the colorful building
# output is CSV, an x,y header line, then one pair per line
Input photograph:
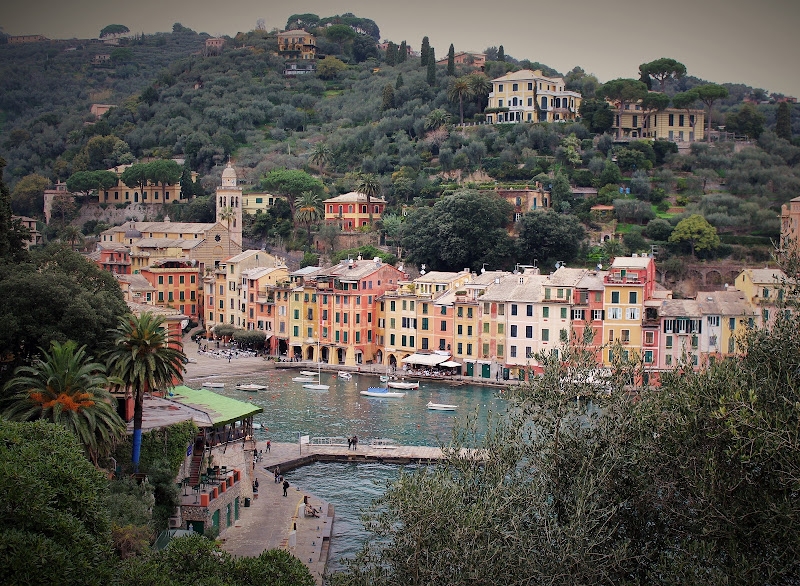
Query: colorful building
x,y
790,226
629,283
529,96
351,210
258,203
297,44
764,291
177,285
671,124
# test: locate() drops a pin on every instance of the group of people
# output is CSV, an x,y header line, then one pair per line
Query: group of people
x,y
352,442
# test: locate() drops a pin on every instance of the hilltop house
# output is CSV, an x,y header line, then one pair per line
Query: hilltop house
x,y
297,44
350,210
529,96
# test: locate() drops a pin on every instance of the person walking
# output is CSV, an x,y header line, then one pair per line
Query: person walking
x,y
355,442
268,446
285,487
349,443
277,473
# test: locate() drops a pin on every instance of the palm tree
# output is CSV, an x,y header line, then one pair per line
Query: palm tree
x,y
143,361
436,119
479,86
320,155
309,210
227,214
459,88
67,388
72,235
369,185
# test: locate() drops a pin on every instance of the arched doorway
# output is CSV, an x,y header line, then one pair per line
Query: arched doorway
x,y
310,353
325,353
283,347
340,356
392,361
379,357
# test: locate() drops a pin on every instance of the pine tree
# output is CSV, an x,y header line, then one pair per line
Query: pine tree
x,y
783,121
388,97
501,54
402,52
431,67
391,53
423,52
451,60
399,82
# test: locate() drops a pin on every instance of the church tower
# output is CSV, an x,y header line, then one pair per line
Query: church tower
x,y
229,201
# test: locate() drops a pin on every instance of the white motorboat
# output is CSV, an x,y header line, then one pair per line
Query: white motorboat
x,y
303,379
315,386
403,385
250,387
214,385
308,373
384,378
344,375
381,392
441,406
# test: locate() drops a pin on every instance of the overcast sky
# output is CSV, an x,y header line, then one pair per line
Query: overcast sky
x,y
742,41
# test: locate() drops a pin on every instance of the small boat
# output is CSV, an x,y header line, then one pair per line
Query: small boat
x,y
256,426
250,387
381,392
316,386
344,375
303,379
403,385
308,373
214,385
384,378
441,406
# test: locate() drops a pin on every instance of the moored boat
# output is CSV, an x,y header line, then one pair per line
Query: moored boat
x,y
250,387
384,378
381,392
403,385
344,375
441,406
214,385
308,373
303,379
316,386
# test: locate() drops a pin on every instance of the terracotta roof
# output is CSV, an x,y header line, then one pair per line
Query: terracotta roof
x,y
353,197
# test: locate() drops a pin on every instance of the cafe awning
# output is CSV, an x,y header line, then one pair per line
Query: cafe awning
x,y
425,359
450,364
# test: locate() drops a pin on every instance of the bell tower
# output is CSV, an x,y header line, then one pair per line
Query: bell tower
x,y
229,204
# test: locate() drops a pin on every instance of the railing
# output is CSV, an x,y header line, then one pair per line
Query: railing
x,y
328,441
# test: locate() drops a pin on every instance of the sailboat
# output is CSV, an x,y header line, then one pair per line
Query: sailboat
x,y
317,386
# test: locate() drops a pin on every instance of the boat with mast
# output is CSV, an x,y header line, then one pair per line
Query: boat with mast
x,y
317,386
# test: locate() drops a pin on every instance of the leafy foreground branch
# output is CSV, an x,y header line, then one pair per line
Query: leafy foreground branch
x,y
692,482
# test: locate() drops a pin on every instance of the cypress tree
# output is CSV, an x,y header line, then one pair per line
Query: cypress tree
x,y
388,97
451,60
501,54
402,53
399,82
783,121
423,52
391,53
431,67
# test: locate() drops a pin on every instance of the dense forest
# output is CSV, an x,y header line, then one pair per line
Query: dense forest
x,y
387,114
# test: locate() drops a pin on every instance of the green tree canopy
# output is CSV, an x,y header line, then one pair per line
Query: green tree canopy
x,y
708,94
330,67
548,237
746,120
783,121
451,60
340,34
27,199
661,70
291,183
55,527
12,233
697,233
113,30
465,229
423,52
85,182
623,92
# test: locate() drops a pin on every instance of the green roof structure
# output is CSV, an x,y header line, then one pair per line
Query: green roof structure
x,y
219,408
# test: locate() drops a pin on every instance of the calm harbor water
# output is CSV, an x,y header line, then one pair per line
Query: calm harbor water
x,y
290,409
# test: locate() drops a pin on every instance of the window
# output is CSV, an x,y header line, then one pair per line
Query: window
x,y
578,314
469,330
469,312
648,357
512,350
732,323
181,279
469,349
668,359
545,312
501,328
391,306
713,320
424,343
529,310
615,297
615,313
514,87
460,312
649,337
425,309
444,309
486,327
161,282
500,350
547,293
598,314
668,343
501,309
632,313
296,331
441,344
563,313
625,336
513,331
460,329
444,326
424,323
632,297
545,335
529,331
486,350
765,314
391,339
513,309
460,348
610,335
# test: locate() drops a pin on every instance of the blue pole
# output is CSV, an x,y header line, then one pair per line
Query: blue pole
x,y
137,445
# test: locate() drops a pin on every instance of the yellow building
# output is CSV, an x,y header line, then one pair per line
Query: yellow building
x,y
529,96
671,124
763,289
297,44
150,194
628,284
258,203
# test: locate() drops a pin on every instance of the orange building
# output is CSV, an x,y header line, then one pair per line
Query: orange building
x,y
176,285
116,260
351,211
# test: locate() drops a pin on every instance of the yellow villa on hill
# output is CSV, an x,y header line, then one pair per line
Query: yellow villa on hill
x,y
529,96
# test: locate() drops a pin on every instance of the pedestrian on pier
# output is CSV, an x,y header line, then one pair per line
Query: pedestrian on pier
x,y
277,473
268,445
355,442
349,443
285,487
